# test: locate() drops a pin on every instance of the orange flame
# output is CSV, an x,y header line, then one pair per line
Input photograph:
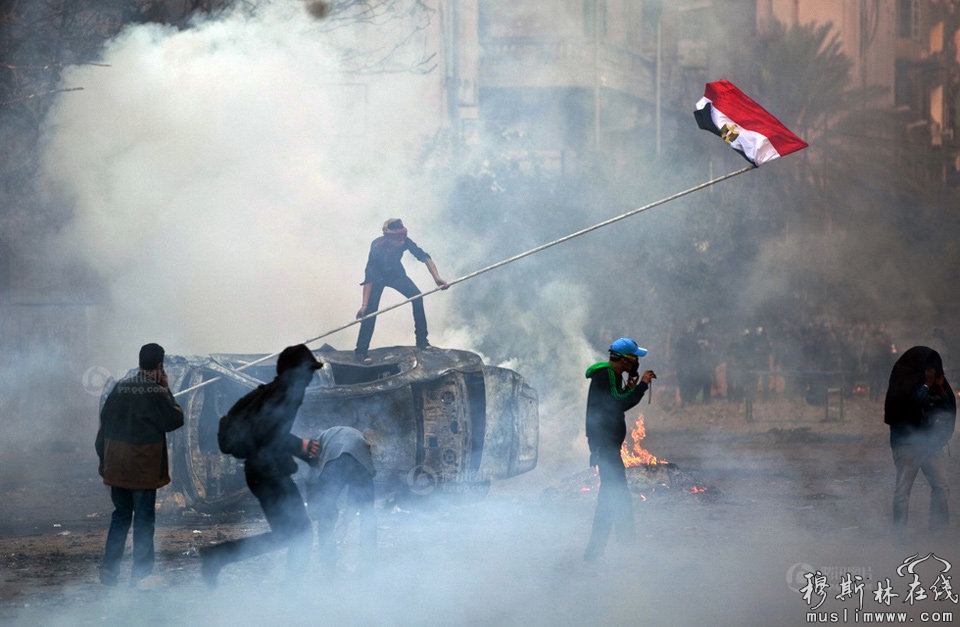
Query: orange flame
x,y
637,455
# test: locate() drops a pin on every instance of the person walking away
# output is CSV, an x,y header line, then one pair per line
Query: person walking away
x,y
921,409
131,445
608,398
269,412
384,269
339,487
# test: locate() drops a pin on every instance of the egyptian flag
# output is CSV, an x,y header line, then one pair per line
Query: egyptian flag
x,y
745,125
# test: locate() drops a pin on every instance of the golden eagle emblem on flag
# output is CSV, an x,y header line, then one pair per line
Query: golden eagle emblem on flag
x,y
729,133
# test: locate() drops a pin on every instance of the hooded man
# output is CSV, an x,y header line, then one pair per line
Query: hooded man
x,y
921,409
132,446
608,398
270,411
384,269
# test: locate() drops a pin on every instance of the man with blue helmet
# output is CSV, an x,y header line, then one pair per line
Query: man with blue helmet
x,y
608,399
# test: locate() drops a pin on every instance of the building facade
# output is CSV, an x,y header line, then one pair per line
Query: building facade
x,y
556,82
549,87
910,48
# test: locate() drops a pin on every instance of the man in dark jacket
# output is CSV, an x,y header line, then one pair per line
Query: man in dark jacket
x,y
341,483
607,401
132,446
384,269
921,409
271,410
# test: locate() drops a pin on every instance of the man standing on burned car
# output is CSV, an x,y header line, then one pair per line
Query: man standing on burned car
x,y
921,409
608,399
384,269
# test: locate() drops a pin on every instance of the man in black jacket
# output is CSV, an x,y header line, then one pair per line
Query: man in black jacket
x,y
132,446
271,409
607,401
921,409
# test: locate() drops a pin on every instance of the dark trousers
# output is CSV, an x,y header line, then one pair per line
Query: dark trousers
x,y
139,508
405,286
909,460
343,485
614,504
289,525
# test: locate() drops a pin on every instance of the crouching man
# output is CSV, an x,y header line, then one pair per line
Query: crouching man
x,y
341,484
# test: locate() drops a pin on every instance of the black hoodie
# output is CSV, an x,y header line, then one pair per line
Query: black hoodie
x,y
918,415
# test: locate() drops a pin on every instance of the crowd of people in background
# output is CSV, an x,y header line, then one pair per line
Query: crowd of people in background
x,y
788,360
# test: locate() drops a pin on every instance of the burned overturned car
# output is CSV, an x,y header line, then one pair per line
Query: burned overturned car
x,y
438,420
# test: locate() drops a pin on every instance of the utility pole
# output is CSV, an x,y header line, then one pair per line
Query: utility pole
x,y
596,76
659,83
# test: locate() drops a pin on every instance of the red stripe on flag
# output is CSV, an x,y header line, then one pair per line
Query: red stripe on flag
x,y
742,109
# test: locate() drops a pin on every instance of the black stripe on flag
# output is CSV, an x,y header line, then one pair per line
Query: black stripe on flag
x,y
704,118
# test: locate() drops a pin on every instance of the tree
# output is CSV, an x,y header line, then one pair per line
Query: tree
x,y
401,25
831,223
846,199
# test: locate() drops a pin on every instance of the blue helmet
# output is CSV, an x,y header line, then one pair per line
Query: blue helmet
x,y
626,346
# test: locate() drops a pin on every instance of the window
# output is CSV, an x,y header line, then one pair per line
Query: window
x,y
908,19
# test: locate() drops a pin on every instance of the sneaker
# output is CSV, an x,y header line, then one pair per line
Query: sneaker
x,y
108,577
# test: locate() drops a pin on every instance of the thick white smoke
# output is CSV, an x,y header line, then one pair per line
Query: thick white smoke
x,y
227,179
